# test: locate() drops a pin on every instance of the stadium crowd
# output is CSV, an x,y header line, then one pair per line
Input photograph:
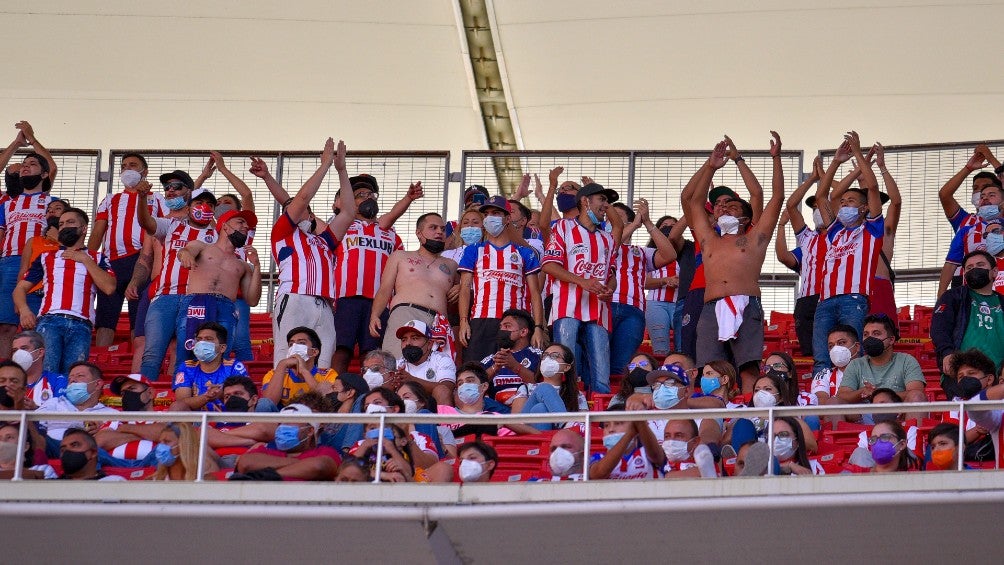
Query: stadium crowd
x,y
503,310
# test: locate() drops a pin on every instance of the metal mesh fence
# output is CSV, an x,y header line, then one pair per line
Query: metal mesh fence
x,y
76,175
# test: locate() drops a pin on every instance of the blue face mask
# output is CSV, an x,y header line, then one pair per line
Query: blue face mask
x,y
204,351
989,212
710,384
388,434
164,456
468,393
995,242
494,225
175,203
610,440
287,436
666,397
848,215
566,202
593,218
470,235
77,393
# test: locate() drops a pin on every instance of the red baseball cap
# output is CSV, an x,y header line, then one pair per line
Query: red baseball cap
x,y
248,216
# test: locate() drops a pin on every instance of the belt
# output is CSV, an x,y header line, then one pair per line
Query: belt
x,y
69,317
425,309
213,295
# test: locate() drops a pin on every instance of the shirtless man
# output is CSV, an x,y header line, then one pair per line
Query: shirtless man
x,y
216,274
731,324
418,280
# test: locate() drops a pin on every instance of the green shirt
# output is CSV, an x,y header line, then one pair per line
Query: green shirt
x,y
901,369
985,330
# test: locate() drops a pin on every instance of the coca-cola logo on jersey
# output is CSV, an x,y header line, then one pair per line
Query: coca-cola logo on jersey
x,y
589,270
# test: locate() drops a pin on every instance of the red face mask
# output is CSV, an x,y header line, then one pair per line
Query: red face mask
x,y
202,212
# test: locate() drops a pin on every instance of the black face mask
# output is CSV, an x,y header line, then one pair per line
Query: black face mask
x,y
52,222
969,387
30,182
772,372
369,209
977,278
505,340
873,346
236,404
6,400
68,237
880,418
335,403
13,183
131,401
434,246
638,377
665,230
73,461
238,239
412,353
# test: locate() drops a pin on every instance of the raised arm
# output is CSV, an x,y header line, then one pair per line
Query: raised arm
x,y
143,215
297,207
207,171
665,253
867,175
784,256
892,189
8,152
343,219
792,206
247,199
841,186
823,188
947,192
768,221
29,136
697,189
676,234
547,211
749,179
260,170
386,221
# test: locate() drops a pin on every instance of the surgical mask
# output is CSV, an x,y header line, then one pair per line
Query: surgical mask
x,y
130,178
593,218
784,448
883,451
764,399
817,218
610,440
728,224
565,202
549,367
131,401
73,461
840,356
676,450
52,222
68,237
710,384
977,278
388,434
504,339
638,377
666,397
77,393
376,409
848,215
308,225
287,437
976,199
494,225
434,246
607,227
995,242
175,202
299,350
205,351
236,404
561,461
373,378
943,459
470,470
468,393
873,346
470,235
369,209
989,212
238,239
202,212
410,406
412,353
163,455
24,359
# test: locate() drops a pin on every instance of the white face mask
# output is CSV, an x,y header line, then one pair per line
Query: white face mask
x,y
470,470
410,406
549,367
8,452
728,224
817,218
23,358
130,178
784,448
373,378
764,399
299,350
676,450
561,461
376,409
840,356
976,199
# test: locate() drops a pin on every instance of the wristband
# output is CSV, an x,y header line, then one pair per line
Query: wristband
x,y
999,170
541,326
740,158
884,171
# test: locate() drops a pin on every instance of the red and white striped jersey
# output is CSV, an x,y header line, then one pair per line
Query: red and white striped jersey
x,y
68,287
136,449
813,246
631,264
585,254
851,257
124,236
666,293
173,278
22,218
306,262
499,277
361,256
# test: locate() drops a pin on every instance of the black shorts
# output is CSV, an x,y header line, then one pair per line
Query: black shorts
x,y
110,305
483,342
352,324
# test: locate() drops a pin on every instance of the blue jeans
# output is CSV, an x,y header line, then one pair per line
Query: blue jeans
x,y
678,326
659,318
849,309
226,316
590,344
9,266
626,337
160,326
242,331
67,340
544,400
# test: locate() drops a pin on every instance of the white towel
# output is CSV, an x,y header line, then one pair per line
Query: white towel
x,y
729,312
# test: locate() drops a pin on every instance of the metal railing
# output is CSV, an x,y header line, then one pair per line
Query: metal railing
x,y
204,419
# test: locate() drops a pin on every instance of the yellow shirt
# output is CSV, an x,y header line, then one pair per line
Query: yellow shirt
x,y
293,385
